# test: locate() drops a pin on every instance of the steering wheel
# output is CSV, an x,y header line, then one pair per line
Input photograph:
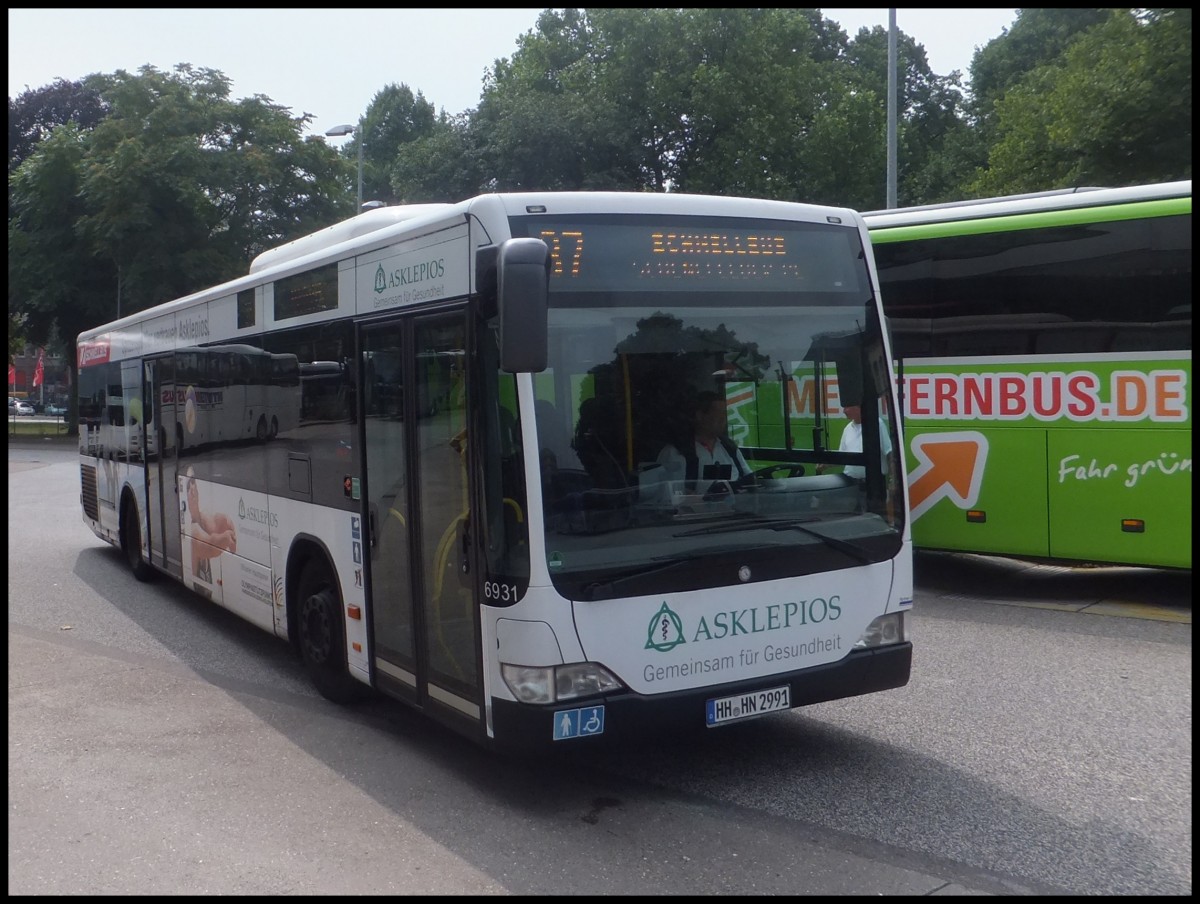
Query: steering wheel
x,y
788,470
785,470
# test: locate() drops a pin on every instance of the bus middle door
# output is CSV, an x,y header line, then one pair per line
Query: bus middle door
x,y
162,487
425,623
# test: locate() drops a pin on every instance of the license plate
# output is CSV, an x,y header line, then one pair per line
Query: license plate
x,y
745,706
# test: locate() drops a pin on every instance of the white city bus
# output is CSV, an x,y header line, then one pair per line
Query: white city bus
x,y
465,508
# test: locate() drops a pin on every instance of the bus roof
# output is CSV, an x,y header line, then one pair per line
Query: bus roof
x,y
380,227
366,222
1035,202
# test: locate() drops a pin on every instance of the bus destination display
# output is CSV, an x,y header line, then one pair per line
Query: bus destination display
x,y
595,256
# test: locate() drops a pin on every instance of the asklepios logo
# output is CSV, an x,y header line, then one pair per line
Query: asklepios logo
x,y
408,275
91,353
666,630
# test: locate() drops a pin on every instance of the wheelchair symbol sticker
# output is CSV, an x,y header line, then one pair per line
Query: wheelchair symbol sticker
x,y
578,723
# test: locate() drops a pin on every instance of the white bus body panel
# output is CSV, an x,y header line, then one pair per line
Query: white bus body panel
x,y
250,582
670,642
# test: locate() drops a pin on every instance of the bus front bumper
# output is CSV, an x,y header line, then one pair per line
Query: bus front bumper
x,y
629,718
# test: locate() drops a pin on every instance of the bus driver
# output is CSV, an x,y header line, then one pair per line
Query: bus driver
x,y
712,456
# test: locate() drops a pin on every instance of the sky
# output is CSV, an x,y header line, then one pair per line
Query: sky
x,y
332,62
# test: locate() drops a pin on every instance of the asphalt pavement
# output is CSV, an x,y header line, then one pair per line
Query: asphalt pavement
x,y
121,764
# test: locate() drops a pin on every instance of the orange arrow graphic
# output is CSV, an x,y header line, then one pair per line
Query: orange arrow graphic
x,y
951,465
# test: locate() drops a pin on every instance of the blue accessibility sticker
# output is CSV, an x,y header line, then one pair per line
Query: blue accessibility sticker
x,y
578,723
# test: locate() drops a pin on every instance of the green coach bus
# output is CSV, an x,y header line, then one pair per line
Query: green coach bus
x,y
1044,347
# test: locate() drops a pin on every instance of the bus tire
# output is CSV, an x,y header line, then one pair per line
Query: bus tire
x,y
260,430
320,635
131,540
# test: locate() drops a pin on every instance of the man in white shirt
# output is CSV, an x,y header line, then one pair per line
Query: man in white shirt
x,y
852,442
715,457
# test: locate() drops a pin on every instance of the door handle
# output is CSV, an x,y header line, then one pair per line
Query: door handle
x,y
465,561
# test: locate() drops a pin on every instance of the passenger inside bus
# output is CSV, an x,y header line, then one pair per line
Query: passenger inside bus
x,y
707,458
852,441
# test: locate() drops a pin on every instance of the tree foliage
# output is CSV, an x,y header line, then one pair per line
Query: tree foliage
x,y
127,190
174,189
1114,108
35,112
394,119
443,165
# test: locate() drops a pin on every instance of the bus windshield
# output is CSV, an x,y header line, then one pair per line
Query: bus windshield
x,y
700,416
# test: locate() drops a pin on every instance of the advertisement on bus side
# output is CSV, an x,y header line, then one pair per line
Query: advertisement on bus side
x,y
1082,457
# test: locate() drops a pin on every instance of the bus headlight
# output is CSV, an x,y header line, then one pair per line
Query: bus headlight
x,y
885,630
553,683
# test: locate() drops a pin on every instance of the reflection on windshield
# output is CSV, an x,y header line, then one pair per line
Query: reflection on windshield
x,y
655,426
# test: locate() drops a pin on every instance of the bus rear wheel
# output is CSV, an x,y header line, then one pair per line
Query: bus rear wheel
x,y
321,636
131,541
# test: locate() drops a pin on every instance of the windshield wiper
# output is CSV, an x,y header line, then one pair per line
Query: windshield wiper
x,y
667,563
850,549
600,589
730,523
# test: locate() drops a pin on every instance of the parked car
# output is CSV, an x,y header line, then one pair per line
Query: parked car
x,y
23,408
56,409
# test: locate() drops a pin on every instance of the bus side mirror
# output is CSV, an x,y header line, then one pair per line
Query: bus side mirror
x,y
522,288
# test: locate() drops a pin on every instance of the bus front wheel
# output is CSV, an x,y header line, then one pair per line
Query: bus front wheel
x,y
321,636
131,541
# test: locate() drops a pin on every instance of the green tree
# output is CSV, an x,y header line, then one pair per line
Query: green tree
x,y
176,189
31,117
394,119
543,122
441,166
1037,37
690,100
33,113
930,121
1114,109
51,271
772,103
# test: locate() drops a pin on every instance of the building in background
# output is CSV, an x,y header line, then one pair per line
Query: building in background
x,y
56,379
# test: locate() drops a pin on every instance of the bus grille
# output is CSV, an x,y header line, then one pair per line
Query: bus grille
x,y
89,496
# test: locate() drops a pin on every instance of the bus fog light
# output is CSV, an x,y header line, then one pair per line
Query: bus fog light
x,y
584,679
549,684
883,631
529,684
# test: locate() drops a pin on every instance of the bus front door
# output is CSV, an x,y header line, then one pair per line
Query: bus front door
x,y
162,487
424,621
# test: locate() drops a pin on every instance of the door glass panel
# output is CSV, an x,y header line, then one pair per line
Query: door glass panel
x,y
388,514
163,490
440,397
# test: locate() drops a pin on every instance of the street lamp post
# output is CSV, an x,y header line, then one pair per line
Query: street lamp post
x,y
347,129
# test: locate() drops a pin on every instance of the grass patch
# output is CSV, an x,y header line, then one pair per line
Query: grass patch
x,y
24,426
